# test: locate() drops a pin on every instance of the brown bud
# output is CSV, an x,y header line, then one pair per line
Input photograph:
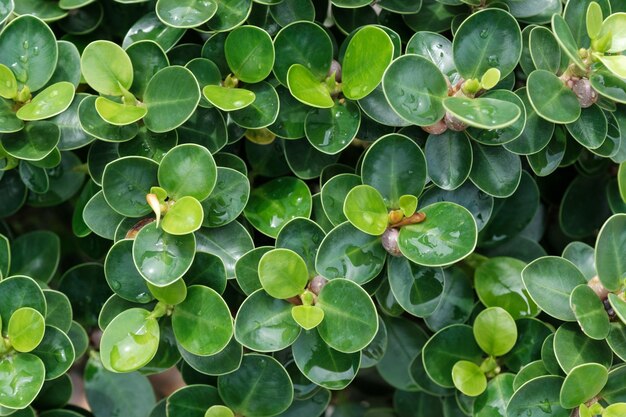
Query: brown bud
x,y
390,241
453,123
585,93
335,67
317,283
597,287
436,129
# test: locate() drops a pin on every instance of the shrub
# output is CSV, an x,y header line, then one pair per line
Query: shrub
x,y
348,208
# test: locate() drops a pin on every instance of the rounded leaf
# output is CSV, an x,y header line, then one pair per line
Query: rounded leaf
x,y
107,68
365,208
490,38
367,56
283,273
611,266
202,323
469,378
415,88
162,258
308,317
126,182
416,288
495,331
551,99
582,384
130,341
347,327
188,170
26,329
184,217
484,113
589,311
447,235
185,14
538,398
15,391
49,102
244,394
250,53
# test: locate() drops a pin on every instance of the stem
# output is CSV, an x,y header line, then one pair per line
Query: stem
x,y
159,310
414,219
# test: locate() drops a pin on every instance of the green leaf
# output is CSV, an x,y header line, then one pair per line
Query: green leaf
x,y
36,255
365,208
296,37
30,49
552,294
121,274
149,27
447,235
613,26
262,112
616,64
107,392
107,68
346,252
590,313
228,242
538,398
582,384
219,411
408,204
184,217
147,58
417,289
395,166
119,114
25,329
56,351
185,14
322,364
495,331
227,200
227,361
444,349
551,99
94,125
265,324
33,143
303,236
242,392
564,37
611,241
173,294
367,56
489,39
619,306
498,283
202,323
572,348
346,327
162,258
8,83
50,102
594,20
469,378
485,113
171,97
15,391
590,129
228,99
126,182
130,341
449,159
18,292
275,203
10,122
621,180
100,218
307,88
332,130
308,317
544,49
493,402
614,410
415,88
249,53
188,170
283,273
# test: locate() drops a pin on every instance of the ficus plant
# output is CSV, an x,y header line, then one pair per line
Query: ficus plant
x,y
339,208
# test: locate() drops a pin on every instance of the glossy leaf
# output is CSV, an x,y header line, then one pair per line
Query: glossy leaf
x,y
346,328
573,348
551,99
370,48
415,88
188,170
275,203
307,88
107,68
186,14
249,53
365,208
202,323
283,273
417,289
538,398
486,113
184,217
495,331
469,378
14,391
611,241
447,235
308,317
582,384
130,341
25,329
590,313
242,392
126,182
49,102
162,258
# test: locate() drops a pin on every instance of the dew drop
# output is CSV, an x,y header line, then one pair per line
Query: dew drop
x,y
23,59
484,33
25,44
493,60
116,285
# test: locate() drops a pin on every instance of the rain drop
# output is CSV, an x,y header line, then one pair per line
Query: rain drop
x,y
484,33
25,44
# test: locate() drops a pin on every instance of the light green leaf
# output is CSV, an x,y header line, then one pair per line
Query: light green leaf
x,y
307,88
365,208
